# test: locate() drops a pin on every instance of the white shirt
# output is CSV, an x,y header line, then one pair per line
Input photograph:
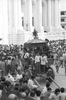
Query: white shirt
x,y
43,60
26,55
18,76
31,84
0,93
12,96
37,59
44,91
64,56
10,78
62,96
9,62
37,98
52,96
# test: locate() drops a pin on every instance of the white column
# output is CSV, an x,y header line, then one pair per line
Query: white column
x,y
35,15
39,13
56,14
15,16
1,19
29,14
59,13
53,13
19,14
49,15
5,22
23,1
25,15
45,13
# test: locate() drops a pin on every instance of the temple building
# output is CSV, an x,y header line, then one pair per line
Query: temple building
x,y
20,17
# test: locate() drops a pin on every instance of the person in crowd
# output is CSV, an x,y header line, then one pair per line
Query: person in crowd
x,y
64,57
27,59
12,97
10,78
1,90
13,65
18,76
2,67
61,61
3,95
47,94
55,57
62,95
64,61
37,62
38,94
44,63
8,65
26,55
65,66
53,95
31,96
31,83
57,65
44,90
19,65
57,92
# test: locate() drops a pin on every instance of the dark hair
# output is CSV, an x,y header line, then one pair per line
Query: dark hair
x,y
47,84
20,89
3,79
16,84
34,89
57,90
32,93
21,80
9,58
16,88
7,83
62,90
49,89
38,92
27,92
32,77
25,81
1,86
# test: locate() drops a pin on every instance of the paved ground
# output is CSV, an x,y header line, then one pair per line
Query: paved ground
x,y
60,79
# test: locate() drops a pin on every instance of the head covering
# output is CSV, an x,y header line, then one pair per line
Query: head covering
x,y
12,97
23,94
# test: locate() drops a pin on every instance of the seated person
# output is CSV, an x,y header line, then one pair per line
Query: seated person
x,y
31,83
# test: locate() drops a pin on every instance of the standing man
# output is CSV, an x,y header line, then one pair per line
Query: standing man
x,y
43,63
64,61
37,62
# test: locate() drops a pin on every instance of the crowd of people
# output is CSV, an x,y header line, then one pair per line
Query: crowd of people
x,y
16,84
59,52
25,89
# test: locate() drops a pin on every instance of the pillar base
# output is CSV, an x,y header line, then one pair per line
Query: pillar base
x,y
50,28
40,29
55,28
